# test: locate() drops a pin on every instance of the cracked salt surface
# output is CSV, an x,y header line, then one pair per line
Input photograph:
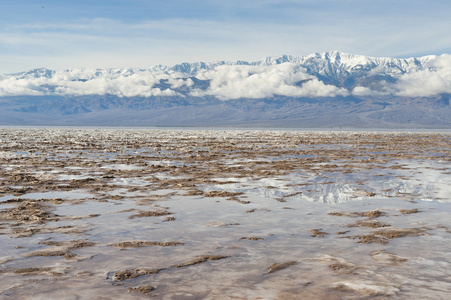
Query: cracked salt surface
x,y
207,213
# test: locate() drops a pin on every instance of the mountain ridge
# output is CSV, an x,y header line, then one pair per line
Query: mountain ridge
x,y
329,89
333,56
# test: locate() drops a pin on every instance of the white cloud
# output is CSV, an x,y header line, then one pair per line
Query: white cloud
x,y
14,86
225,82
233,82
122,83
428,82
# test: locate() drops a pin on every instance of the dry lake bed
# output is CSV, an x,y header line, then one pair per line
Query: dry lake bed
x,y
224,214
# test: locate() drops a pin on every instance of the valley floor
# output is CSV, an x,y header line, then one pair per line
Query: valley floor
x,y
224,214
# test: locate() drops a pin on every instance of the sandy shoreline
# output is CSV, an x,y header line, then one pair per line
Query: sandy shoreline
x,y
218,214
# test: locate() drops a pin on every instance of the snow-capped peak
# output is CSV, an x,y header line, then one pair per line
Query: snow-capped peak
x,y
316,75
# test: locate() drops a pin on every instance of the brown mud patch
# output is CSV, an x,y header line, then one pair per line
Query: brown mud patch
x,y
33,271
383,236
341,232
230,196
341,267
133,273
144,214
276,267
195,192
199,260
138,244
252,238
370,214
129,274
367,214
317,233
28,211
238,200
387,257
66,254
145,289
409,211
75,244
370,223
212,194
24,232
61,248
338,265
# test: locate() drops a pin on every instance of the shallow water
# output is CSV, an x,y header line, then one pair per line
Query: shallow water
x,y
224,214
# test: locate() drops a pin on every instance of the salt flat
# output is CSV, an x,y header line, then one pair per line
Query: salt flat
x,y
224,214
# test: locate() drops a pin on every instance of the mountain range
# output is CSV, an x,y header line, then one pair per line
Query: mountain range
x,y
321,90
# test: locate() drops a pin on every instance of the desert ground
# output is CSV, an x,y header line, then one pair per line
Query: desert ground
x,y
224,214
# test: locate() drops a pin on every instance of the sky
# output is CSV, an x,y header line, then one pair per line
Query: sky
x,y
60,35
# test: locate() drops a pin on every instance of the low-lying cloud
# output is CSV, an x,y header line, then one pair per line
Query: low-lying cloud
x,y
225,82
428,82
121,83
233,82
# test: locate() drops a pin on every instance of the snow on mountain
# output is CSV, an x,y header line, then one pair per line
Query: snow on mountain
x,y
326,63
327,74
339,62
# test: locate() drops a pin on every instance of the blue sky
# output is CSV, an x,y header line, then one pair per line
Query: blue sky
x,y
142,33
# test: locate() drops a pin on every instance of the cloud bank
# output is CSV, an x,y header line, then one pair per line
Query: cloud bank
x,y
428,82
231,81
121,83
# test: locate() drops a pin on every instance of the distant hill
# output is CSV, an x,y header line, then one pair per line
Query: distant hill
x,y
322,90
